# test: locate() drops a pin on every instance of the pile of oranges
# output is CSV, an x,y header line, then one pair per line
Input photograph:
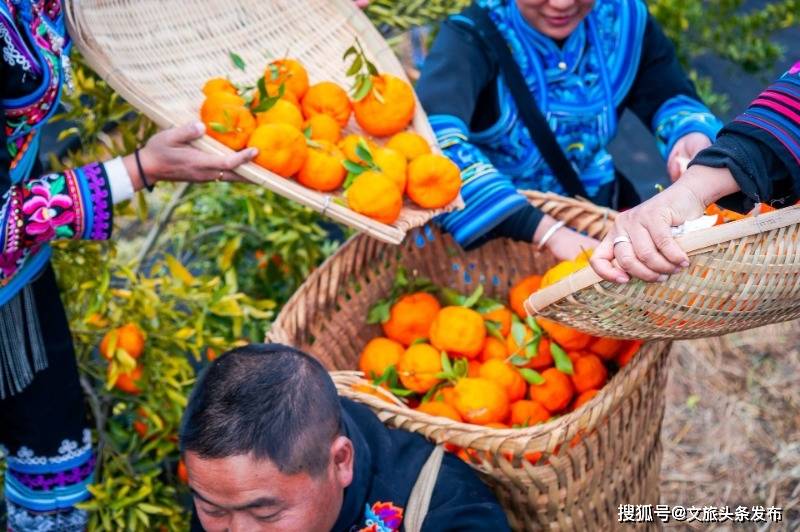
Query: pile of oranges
x,y
476,360
122,347
297,128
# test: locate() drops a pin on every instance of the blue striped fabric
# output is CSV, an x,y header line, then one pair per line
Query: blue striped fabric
x,y
680,116
490,196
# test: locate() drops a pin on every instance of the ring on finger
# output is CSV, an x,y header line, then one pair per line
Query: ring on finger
x,y
221,175
621,239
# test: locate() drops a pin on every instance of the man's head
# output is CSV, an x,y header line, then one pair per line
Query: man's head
x,y
263,444
555,18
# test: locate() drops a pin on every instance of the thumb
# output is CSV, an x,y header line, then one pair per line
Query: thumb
x,y
185,133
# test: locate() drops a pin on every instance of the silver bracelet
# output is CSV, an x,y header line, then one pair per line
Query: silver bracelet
x,y
549,234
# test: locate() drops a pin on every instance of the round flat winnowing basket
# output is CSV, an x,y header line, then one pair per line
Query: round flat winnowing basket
x,y
592,460
742,275
158,54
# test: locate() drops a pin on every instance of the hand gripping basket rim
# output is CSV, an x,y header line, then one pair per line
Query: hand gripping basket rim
x,y
118,54
561,300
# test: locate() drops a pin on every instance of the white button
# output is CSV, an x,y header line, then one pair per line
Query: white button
x,y
562,65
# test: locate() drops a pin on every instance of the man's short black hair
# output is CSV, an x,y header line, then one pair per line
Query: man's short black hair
x,y
270,400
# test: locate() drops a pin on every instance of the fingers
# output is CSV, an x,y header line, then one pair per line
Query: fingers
x,y
661,233
602,263
239,158
647,252
184,134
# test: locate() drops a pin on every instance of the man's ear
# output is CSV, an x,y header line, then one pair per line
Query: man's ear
x,y
343,460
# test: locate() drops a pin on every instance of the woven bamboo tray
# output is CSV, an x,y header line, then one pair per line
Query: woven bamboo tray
x,y
158,54
578,487
743,274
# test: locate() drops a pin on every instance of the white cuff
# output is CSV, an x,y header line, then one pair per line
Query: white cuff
x,y
119,180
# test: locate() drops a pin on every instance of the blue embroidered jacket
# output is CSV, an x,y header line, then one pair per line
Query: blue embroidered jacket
x,y
616,59
387,464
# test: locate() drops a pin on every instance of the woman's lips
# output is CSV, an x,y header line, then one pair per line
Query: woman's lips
x,y
559,21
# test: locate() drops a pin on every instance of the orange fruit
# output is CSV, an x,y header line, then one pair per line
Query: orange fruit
x,y
473,368
433,181
606,348
289,72
219,85
543,358
528,413
584,398
459,331
502,317
496,425
410,317
418,367
129,382
588,372
227,119
410,144
521,291
183,474
281,148
378,355
376,196
348,146
626,355
493,349
481,401
439,408
327,98
568,338
323,127
323,168
281,112
392,165
564,269
216,100
446,394
506,376
389,111
129,337
555,393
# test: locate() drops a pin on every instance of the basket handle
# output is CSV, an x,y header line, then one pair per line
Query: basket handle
x,y
689,242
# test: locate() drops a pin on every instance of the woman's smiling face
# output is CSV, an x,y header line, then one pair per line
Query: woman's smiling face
x,y
556,19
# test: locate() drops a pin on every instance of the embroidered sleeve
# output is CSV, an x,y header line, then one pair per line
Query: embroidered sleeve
x,y
680,116
663,96
489,196
454,74
75,204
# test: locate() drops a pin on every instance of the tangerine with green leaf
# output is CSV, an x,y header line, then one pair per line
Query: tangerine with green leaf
x,y
376,196
289,72
378,355
281,112
327,98
323,168
387,108
555,393
419,367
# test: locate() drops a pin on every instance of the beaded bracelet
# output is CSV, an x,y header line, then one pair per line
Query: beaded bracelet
x,y
146,184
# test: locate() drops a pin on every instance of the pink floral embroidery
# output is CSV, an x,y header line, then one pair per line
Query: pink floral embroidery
x,y
48,213
9,262
795,68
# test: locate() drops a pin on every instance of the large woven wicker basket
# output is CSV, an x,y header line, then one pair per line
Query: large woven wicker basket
x,y
743,274
157,54
572,487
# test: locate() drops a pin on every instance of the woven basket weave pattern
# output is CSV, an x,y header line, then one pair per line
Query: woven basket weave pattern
x,y
158,54
743,274
618,457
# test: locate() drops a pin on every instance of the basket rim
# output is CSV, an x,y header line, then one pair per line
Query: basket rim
x,y
694,244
